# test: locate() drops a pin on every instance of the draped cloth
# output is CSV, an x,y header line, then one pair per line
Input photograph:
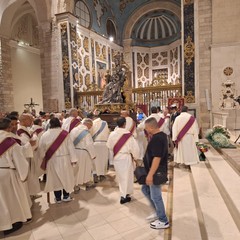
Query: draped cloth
x,y
14,201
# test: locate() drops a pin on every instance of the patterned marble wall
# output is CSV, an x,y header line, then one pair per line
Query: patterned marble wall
x,y
189,51
163,62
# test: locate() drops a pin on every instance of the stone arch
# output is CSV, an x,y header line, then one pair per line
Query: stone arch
x,y
147,8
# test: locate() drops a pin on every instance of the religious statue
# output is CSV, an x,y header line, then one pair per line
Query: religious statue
x,y
113,92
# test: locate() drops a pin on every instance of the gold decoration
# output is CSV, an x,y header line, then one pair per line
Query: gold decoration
x,y
68,104
104,53
189,50
63,28
160,80
65,66
86,44
98,50
228,71
189,98
79,41
86,63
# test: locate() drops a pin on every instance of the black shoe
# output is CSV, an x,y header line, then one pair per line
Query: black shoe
x,y
15,227
29,220
95,178
125,200
102,178
128,197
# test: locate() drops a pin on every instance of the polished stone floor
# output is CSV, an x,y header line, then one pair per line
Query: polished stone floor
x,y
92,215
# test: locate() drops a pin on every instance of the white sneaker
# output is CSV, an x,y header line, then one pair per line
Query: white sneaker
x,y
157,224
68,199
152,217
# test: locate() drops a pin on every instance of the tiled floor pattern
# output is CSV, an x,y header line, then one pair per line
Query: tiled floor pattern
x,y
92,215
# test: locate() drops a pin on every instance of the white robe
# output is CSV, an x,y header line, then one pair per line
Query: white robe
x,y
187,151
32,182
59,167
129,124
36,152
101,161
123,162
85,152
67,122
14,202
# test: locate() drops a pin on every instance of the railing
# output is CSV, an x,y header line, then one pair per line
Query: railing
x,y
147,96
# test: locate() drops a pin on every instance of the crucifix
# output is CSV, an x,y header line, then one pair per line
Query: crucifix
x,y
30,105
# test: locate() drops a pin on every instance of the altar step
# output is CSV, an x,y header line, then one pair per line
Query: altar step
x,y
206,201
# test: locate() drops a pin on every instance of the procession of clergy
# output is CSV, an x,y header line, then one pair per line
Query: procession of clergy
x,y
75,152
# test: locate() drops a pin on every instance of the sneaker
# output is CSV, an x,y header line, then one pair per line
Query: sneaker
x,y
68,199
157,224
58,201
152,217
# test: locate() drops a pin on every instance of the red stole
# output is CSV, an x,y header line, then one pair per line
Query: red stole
x,y
161,122
73,124
37,131
184,130
119,144
6,144
20,131
53,148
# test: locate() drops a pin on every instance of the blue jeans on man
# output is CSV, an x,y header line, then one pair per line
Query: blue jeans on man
x,y
154,195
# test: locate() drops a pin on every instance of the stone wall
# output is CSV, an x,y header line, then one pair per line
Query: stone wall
x,y
204,40
51,68
6,85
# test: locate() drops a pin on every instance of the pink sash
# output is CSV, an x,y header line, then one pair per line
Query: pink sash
x,y
6,144
122,140
20,131
73,124
53,148
184,130
37,131
160,122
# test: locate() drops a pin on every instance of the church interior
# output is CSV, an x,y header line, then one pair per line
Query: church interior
x,y
56,54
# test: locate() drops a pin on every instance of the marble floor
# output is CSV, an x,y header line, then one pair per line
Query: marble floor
x,y
92,215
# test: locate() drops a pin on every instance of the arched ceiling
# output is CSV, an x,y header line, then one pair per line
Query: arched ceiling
x,y
9,10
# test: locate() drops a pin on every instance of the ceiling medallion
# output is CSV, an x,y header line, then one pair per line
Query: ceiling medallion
x,y
228,71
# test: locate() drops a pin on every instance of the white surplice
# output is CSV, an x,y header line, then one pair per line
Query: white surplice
x,y
187,151
123,162
129,125
14,202
32,182
59,167
67,122
85,152
101,160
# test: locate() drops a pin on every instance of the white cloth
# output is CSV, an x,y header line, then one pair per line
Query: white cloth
x,y
67,122
187,151
59,167
101,161
36,153
85,152
129,125
32,181
122,161
14,202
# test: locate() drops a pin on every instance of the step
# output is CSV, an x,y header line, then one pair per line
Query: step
x,y
227,180
185,223
217,219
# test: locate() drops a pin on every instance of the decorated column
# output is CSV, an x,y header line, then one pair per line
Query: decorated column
x,y
189,51
68,47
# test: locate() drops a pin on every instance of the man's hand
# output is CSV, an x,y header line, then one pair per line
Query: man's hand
x,y
149,179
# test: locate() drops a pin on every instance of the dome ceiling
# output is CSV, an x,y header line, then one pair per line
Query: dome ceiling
x,y
157,26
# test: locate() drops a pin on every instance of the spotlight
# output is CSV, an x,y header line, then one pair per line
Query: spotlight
x,y
111,39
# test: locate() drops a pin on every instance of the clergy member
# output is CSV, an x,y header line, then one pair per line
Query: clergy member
x,y
14,203
85,151
123,145
58,154
185,135
72,121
